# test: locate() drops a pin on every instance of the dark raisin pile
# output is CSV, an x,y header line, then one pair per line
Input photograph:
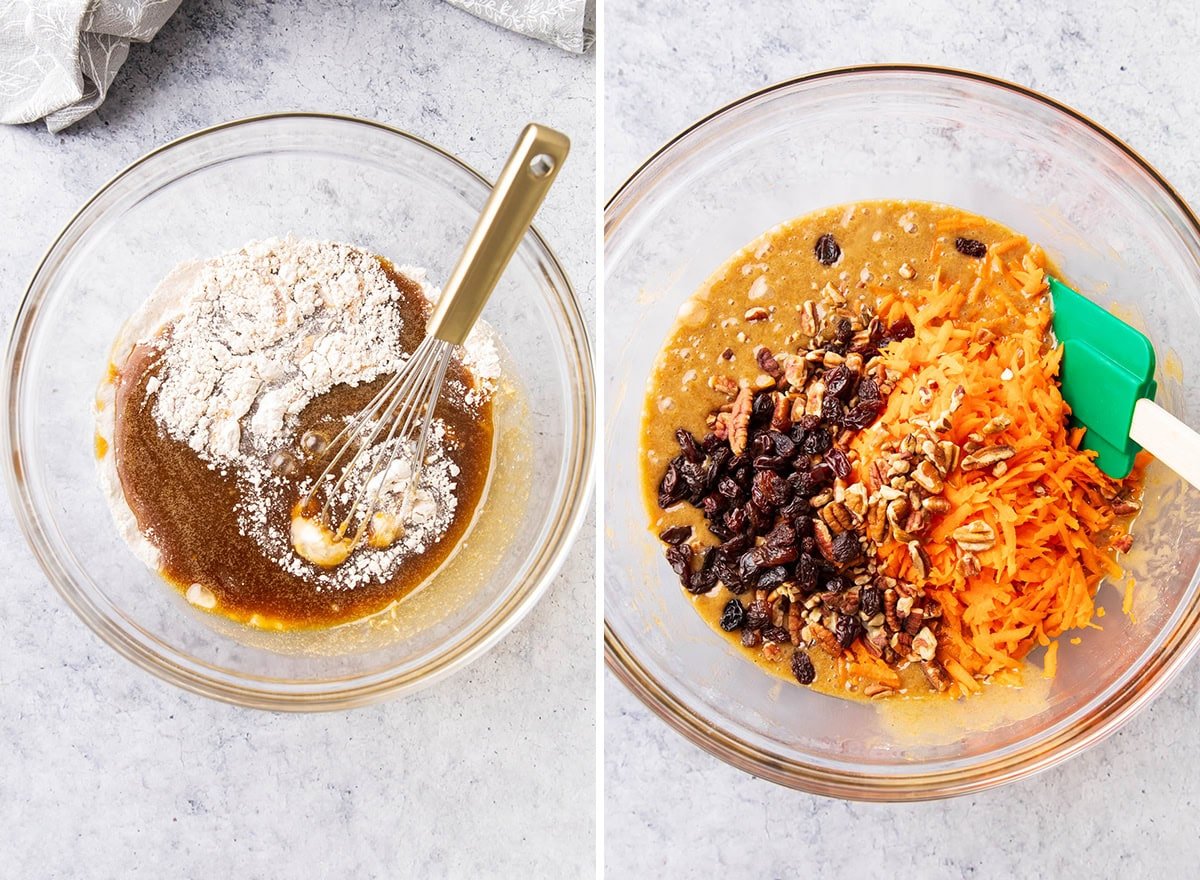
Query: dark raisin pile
x,y
758,503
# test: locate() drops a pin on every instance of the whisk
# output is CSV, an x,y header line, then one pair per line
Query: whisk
x,y
404,407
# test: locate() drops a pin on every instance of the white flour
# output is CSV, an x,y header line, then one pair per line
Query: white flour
x,y
257,334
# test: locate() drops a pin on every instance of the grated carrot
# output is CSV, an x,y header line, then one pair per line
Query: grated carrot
x,y
1050,510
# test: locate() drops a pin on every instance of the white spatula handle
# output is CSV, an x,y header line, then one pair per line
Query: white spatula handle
x,y
1167,439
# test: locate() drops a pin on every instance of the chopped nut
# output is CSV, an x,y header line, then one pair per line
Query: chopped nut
x,y
825,639
969,565
795,622
810,318
906,271
904,605
763,381
795,371
975,537
890,617
877,522
1123,506
740,421
987,457
1000,469
837,516
926,475
935,675
824,539
757,313
877,689
920,560
936,505
1122,543
856,499
945,457
726,385
781,416
997,424
924,644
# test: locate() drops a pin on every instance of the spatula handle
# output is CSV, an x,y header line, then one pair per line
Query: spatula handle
x,y
1167,439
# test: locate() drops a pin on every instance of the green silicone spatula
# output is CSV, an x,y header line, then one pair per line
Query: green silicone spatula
x,y
1108,381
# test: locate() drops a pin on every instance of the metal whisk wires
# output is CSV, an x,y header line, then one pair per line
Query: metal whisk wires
x,y
406,402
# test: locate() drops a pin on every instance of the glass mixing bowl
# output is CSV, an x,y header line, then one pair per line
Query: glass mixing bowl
x,y
313,176
1117,230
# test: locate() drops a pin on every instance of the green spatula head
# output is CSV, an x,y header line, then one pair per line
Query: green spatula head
x,y
1107,367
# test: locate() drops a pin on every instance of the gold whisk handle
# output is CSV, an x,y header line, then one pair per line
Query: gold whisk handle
x,y
515,199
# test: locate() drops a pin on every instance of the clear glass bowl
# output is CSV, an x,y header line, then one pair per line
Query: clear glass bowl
x,y
315,176
1117,230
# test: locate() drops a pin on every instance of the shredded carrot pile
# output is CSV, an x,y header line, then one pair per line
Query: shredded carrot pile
x,y
1050,509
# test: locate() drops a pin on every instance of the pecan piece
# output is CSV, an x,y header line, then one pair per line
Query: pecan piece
x,y
837,516
997,425
987,457
1123,506
756,313
969,565
927,477
781,416
890,618
877,522
826,639
935,675
1122,543
726,385
795,622
824,539
975,537
740,421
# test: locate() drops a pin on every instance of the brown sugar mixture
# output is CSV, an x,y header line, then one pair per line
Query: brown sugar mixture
x,y
212,457
857,457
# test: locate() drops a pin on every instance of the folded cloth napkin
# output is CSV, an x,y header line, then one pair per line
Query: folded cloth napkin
x,y
58,57
561,22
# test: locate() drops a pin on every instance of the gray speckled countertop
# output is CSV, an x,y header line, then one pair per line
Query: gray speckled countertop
x,y
108,772
1121,809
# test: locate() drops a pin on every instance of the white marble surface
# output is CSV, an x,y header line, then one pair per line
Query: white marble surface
x,y
1122,808
107,772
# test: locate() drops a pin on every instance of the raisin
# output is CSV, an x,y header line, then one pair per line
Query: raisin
x,y
701,581
737,520
750,563
711,443
687,443
970,247
672,488
783,535
847,629
802,667
680,558
836,583
733,616
808,422
751,638
770,491
870,601
845,331
767,363
807,571
729,488
675,534
758,615
772,578
713,505
779,554
846,548
839,382
776,634
827,249
860,416
816,443
783,445
868,389
902,329
764,408
831,410
838,461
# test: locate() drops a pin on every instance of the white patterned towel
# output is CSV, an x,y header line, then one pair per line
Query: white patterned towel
x,y
561,22
58,57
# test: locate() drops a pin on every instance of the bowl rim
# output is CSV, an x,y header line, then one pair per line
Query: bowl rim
x,y
1177,648
321,694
